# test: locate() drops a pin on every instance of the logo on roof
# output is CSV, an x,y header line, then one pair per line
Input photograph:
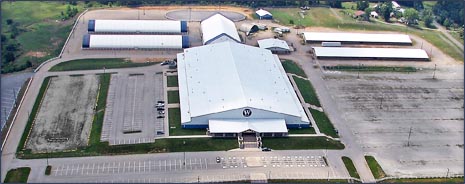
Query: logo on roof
x,y
247,112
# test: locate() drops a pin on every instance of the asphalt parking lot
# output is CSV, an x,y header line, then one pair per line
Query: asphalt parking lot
x,y
410,122
10,86
130,115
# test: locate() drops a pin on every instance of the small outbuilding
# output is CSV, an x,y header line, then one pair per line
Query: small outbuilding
x,y
217,28
276,46
249,28
263,14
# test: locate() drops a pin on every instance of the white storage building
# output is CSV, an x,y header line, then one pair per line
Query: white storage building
x,y
135,42
400,39
231,88
217,28
137,26
276,46
370,53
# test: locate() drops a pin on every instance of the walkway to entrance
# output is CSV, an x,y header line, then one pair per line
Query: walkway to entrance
x,y
249,140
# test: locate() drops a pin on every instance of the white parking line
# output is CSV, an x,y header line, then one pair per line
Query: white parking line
x,y
67,166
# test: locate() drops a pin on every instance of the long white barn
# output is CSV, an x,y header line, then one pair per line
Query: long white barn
x,y
218,28
370,53
401,39
135,42
230,88
137,26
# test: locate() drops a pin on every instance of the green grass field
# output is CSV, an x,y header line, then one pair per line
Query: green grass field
x,y
375,167
350,167
292,67
323,123
323,17
173,97
96,64
364,68
42,29
301,143
18,175
174,115
172,81
302,131
307,91
425,180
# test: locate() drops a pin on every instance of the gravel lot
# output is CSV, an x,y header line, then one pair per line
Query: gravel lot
x,y
65,116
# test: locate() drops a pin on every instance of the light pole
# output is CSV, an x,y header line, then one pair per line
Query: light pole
x,y
434,72
409,133
447,175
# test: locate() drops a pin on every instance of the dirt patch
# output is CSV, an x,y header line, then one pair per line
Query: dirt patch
x,y
37,54
243,10
65,115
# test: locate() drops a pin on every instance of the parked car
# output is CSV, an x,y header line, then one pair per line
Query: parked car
x,y
158,117
218,159
160,133
266,149
161,112
160,109
161,101
165,63
160,105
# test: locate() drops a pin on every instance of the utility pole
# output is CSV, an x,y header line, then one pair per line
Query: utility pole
x,y
328,175
409,133
447,175
358,74
184,163
434,72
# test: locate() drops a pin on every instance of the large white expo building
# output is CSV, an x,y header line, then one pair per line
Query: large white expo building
x,y
232,88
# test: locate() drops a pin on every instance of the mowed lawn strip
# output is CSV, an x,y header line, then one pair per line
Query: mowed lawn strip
x,y
173,97
309,130
307,91
375,167
323,123
301,143
174,115
350,167
32,116
18,175
172,81
96,64
292,67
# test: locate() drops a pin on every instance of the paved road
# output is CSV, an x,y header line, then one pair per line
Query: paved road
x,y
444,30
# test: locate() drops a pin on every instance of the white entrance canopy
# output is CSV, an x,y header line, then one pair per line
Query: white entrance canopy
x,y
241,125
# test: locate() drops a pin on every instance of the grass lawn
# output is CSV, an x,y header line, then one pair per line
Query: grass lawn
x,y
40,30
96,64
425,180
302,131
364,68
350,167
301,143
33,113
18,175
323,17
307,181
174,115
456,35
323,123
173,97
172,81
292,67
375,167
307,91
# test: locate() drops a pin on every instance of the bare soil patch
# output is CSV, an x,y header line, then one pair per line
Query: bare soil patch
x,y
65,116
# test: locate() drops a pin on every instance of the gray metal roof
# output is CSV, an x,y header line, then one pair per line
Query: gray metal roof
x,y
226,76
270,43
345,52
357,37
